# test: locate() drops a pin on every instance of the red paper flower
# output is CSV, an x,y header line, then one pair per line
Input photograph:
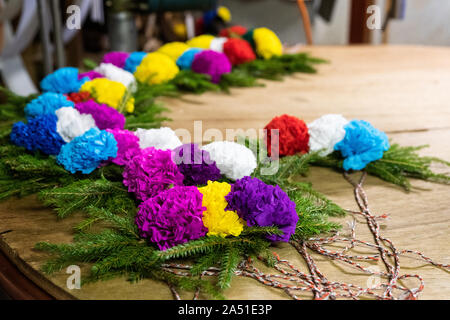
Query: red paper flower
x,y
293,135
78,97
234,31
238,51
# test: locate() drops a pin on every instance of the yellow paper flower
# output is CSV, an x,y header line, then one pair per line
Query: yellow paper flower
x,y
267,43
224,13
109,92
218,221
202,42
174,49
156,68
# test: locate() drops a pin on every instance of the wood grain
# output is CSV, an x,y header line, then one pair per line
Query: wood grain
x,y
402,90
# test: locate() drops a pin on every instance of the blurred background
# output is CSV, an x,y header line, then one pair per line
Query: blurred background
x,y
38,36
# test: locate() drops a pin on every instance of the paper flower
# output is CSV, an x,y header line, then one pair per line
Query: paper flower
x,y
150,172
172,217
293,136
162,139
267,43
220,222
127,145
22,136
184,62
211,63
109,92
156,68
117,74
238,51
46,103
134,59
72,124
361,145
64,80
105,117
234,31
38,134
85,153
234,160
173,49
217,44
263,205
325,132
91,75
116,58
195,165
77,97
224,13
203,41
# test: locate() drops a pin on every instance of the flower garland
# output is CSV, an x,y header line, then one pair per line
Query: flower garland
x,y
187,192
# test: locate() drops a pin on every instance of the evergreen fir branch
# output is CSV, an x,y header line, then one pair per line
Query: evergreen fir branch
x,y
89,64
88,193
230,261
86,249
398,165
271,230
238,78
123,224
206,261
184,283
192,82
204,246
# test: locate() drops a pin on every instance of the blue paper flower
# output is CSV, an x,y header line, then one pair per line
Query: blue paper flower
x,y
38,134
45,136
64,80
21,136
47,103
361,145
184,62
134,60
85,153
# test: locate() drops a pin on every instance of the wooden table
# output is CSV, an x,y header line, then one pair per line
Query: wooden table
x,y
403,90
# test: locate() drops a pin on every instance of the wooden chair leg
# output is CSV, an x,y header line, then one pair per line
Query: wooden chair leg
x,y
306,21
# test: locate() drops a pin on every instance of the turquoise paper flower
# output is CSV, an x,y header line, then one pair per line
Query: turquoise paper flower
x,y
85,153
361,145
64,80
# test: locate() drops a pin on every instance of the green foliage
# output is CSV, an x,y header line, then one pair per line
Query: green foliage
x,y
89,64
192,82
398,165
11,111
22,173
276,67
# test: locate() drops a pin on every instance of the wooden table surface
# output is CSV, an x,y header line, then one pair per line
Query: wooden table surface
x,y
403,90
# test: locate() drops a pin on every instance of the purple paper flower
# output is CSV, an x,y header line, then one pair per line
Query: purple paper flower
x,y
105,117
195,165
117,58
173,217
150,172
212,63
91,75
128,146
263,205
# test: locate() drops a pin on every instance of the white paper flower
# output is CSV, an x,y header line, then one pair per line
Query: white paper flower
x,y
217,44
234,160
117,74
162,138
325,132
72,124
